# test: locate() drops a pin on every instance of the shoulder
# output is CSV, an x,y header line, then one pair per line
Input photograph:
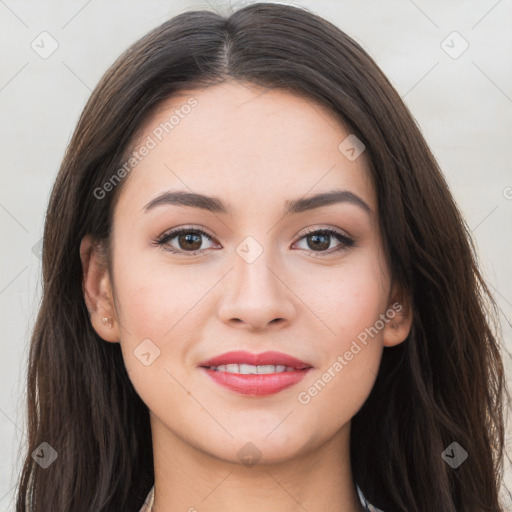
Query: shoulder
x,y
148,503
368,507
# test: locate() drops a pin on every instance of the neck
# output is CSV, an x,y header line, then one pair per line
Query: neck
x,y
191,480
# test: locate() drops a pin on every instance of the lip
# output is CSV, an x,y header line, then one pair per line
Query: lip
x,y
242,357
255,384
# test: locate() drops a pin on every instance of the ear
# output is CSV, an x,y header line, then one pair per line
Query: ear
x,y
399,313
97,289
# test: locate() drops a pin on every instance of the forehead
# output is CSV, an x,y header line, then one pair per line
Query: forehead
x,y
245,143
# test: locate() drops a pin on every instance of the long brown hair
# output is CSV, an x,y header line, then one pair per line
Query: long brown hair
x,y
444,384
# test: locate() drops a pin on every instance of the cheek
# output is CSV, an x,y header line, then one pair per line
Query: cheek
x,y
153,306
153,296
160,303
350,301
350,306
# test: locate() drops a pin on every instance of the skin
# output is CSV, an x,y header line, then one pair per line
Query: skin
x,y
253,149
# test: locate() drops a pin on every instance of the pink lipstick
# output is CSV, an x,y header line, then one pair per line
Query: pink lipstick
x,y
255,374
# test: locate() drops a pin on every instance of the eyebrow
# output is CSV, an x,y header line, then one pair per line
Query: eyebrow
x,y
215,205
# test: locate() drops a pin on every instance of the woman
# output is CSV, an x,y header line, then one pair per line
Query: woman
x,y
258,291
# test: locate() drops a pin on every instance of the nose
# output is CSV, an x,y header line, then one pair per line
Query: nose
x,y
256,297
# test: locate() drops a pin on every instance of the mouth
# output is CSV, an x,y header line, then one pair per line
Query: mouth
x,y
255,374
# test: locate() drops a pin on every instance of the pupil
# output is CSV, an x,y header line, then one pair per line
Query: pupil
x,y
324,245
188,239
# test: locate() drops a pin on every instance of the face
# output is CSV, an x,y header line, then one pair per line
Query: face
x,y
248,275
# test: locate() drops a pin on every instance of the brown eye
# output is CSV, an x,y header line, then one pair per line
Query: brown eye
x,y
188,240
318,241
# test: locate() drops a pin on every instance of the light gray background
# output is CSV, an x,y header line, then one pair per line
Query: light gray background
x,y
463,105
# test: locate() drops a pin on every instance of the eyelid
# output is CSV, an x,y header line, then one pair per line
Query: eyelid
x,y
177,230
317,228
201,229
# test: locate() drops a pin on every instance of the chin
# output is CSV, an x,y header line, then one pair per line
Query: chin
x,y
250,449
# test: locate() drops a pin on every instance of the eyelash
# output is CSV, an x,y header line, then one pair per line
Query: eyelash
x,y
346,242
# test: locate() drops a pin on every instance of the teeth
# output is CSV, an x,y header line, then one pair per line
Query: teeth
x,y
248,369
269,368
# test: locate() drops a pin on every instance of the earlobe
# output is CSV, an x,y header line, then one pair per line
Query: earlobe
x,y
97,290
399,325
